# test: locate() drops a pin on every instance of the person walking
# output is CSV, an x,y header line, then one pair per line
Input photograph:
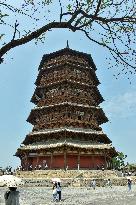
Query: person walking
x,y
129,184
109,183
54,191
59,191
93,184
12,196
103,167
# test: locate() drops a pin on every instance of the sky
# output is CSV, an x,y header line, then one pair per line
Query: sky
x,y
19,72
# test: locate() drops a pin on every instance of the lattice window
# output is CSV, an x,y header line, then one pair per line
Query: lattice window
x,y
80,113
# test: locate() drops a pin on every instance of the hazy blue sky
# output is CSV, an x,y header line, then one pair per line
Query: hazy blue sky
x,y
17,77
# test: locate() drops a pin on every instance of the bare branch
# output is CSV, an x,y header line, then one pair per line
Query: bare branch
x,y
77,4
116,4
33,35
74,15
97,18
16,25
13,9
87,17
8,6
106,20
98,8
118,54
60,10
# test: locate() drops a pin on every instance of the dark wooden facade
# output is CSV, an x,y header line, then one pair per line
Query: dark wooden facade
x,y
67,117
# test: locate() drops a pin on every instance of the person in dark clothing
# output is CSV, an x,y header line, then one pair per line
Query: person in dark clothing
x,y
97,167
93,184
103,167
109,183
59,191
12,196
129,184
54,191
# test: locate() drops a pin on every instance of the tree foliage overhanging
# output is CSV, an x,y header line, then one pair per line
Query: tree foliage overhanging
x,y
109,23
119,161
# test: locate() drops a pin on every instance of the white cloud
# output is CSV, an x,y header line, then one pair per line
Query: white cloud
x,y
121,106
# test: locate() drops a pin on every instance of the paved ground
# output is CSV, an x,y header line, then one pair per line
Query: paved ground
x,y
76,196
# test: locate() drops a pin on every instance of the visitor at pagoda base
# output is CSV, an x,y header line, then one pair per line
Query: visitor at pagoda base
x,y
30,167
39,167
45,165
97,167
66,167
103,168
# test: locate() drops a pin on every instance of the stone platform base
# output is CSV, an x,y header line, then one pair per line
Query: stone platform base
x,y
75,178
48,174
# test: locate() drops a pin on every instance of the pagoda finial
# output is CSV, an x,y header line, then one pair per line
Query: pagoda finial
x,y
67,44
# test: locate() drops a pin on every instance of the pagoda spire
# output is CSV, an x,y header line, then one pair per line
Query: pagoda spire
x,y
67,44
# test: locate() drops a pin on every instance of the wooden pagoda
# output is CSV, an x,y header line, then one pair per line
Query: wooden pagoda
x,y
67,117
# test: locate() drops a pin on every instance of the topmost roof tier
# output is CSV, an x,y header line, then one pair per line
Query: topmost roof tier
x,y
67,51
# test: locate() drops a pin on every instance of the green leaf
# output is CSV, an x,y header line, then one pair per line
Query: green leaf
x,y
3,15
69,7
1,35
89,1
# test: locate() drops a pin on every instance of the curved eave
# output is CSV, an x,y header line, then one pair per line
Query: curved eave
x,y
49,56
54,67
52,133
53,85
89,147
101,115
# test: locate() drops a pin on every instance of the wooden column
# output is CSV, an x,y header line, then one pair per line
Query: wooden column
x,y
51,160
109,166
23,161
105,159
26,162
65,160
37,161
93,161
78,161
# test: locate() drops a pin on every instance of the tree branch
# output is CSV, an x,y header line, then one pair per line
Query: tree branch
x,y
80,20
109,48
60,10
14,35
74,15
98,8
106,20
14,43
98,18
8,6
116,4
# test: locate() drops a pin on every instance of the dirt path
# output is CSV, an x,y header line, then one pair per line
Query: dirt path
x,y
76,196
